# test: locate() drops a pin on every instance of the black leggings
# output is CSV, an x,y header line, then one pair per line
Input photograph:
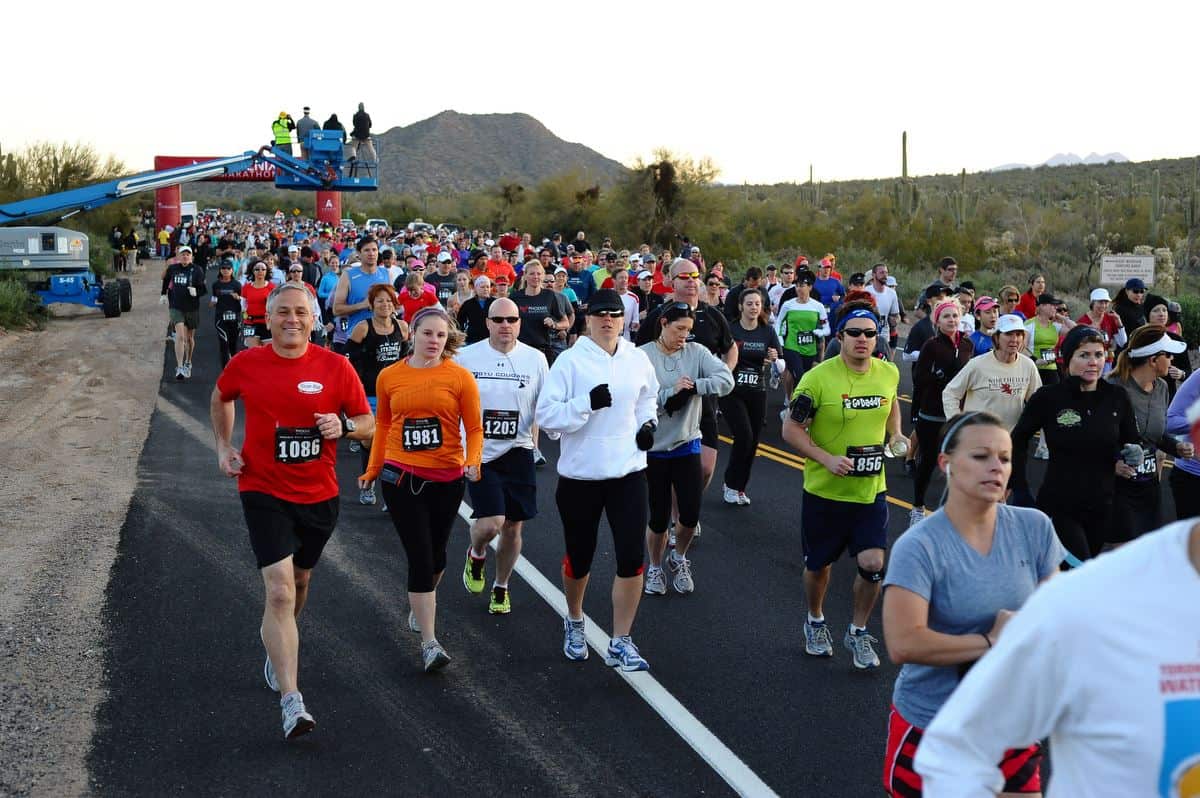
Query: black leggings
x,y
580,503
1137,509
423,513
1185,489
1083,531
744,412
685,476
227,339
927,453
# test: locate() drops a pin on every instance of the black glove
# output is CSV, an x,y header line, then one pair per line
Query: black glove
x,y
678,400
645,436
601,396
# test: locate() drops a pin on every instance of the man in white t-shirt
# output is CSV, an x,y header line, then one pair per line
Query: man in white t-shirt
x,y
1104,660
886,301
620,278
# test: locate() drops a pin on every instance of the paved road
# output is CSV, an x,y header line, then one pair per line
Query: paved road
x,y
188,712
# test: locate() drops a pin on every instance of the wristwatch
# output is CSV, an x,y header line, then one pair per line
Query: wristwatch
x,y
348,426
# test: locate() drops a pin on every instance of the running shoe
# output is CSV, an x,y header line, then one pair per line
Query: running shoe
x,y
296,720
385,507
434,656
817,640
268,668
355,447
623,654
500,603
574,640
859,643
655,584
539,459
681,574
1042,452
696,533
367,496
729,495
413,625
179,373
187,369
915,516
473,574
743,499
671,537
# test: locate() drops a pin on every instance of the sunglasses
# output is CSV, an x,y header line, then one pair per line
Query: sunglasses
x,y
611,314
505,319
687,276
858,332
713,285
1137,290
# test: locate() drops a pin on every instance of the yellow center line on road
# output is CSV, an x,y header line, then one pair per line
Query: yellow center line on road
x,y
797,462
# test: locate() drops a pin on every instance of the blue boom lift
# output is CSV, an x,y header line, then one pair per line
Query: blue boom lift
x,y
54,260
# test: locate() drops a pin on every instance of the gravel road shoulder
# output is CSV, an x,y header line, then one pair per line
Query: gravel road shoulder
x,y
75,406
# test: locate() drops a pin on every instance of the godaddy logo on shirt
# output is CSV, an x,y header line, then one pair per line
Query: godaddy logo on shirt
x,y
862,402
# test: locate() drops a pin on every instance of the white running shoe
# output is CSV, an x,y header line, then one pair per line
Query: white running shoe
x,y
434,656
915,516
729,495
1042,452
743,499
655,584
296,720
681,570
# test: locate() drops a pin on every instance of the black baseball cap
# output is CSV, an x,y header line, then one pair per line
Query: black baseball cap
x,y
605,300
1048,299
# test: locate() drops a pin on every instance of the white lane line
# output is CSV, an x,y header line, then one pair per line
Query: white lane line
x,y
727,764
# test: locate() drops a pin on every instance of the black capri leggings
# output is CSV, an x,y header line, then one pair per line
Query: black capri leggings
x,y
228,338
1083,531
423,513
580,503
685,476
927,454
744,412
1185,489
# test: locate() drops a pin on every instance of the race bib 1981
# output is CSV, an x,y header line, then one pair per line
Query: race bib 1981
x,y
422,434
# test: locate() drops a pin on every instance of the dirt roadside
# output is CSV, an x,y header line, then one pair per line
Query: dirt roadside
x,y
75,407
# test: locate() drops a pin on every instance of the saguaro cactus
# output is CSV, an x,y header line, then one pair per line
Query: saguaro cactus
x,y
1155,206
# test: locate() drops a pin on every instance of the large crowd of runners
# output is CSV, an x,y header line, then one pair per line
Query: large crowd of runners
x,y
444,356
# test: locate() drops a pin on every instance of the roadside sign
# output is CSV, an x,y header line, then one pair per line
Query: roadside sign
x,y
1116,269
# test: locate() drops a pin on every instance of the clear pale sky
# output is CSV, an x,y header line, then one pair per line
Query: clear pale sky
x,y
764,89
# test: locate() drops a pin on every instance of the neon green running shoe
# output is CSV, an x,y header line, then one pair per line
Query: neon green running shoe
x,y
473,574
500,603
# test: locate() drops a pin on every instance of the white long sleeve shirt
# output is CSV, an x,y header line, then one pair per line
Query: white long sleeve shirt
x,y
598,444
1104,660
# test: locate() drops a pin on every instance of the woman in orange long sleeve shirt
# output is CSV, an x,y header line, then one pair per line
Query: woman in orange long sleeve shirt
x,y
418,458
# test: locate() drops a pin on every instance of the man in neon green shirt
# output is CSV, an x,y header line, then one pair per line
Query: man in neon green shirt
x,y
841,414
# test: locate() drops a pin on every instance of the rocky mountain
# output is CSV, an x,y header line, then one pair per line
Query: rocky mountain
x,y
1066,159
466,152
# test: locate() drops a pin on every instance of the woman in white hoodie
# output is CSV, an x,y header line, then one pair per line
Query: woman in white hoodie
x,y
602,396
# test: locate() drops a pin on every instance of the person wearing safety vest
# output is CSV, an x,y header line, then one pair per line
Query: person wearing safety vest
x,y
282,129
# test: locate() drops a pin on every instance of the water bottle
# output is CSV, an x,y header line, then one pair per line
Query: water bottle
x,y
896,448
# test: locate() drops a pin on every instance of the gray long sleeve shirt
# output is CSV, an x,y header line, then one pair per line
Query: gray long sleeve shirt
x,y
712,378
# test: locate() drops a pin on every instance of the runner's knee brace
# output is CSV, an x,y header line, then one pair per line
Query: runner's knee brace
x,y
872,576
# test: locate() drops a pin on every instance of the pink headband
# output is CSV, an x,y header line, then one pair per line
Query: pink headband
x,y
946,305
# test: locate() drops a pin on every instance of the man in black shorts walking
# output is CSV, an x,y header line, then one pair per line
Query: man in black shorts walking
x,y
183,285
299,400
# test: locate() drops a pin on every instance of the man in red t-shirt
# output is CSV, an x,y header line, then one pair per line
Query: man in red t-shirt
x,y
299,399
498,265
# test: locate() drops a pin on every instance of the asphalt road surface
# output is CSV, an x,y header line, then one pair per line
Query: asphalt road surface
x,y
188,711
